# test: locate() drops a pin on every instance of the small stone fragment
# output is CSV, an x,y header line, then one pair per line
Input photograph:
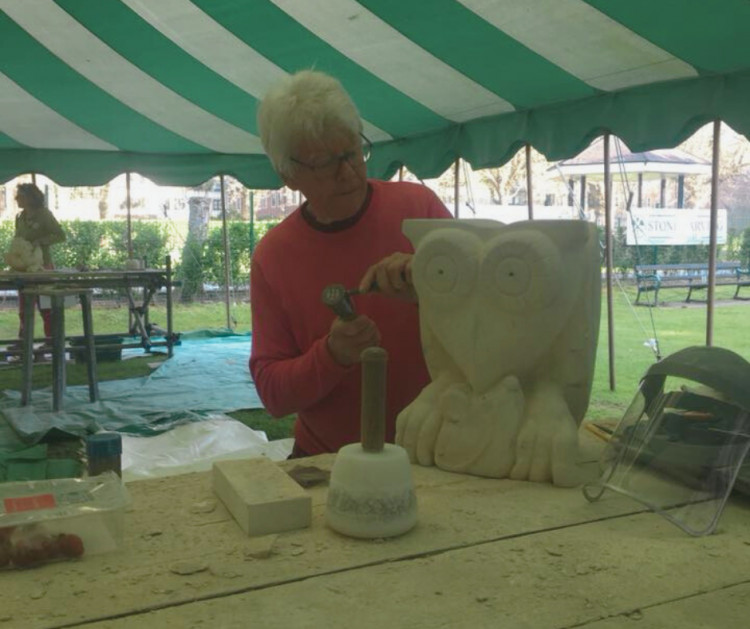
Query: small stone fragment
x,y
635,615
261,547
204,506
185,568
554,553
38,593
297,551
224,572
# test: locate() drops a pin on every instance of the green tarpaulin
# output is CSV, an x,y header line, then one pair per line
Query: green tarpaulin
x,y
169,88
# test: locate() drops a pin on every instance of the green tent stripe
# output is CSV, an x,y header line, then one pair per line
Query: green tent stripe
x,y
481,52
54,83
272,33
95,168
145,47
697,26
6,142
675,111
645,118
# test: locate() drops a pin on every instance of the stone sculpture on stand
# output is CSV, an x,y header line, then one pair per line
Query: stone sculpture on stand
x,y
509,318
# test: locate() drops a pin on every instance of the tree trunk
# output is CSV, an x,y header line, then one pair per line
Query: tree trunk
x,y
192,268
104,202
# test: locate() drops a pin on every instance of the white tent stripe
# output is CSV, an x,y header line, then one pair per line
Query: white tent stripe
x,y
562,31
28,121
209,42
376,46
72,43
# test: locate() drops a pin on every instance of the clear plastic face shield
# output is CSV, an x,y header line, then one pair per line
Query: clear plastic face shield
x,y
683,442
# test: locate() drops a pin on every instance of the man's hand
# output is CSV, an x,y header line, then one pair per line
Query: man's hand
x,y
347,339
392,276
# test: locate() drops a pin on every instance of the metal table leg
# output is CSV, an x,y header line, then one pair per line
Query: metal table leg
x,y
58,350
27,345
88,334
170,337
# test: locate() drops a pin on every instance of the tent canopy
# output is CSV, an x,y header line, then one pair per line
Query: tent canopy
x,y
169,88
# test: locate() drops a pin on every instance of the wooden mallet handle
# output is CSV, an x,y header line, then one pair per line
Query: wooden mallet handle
x,y
374,362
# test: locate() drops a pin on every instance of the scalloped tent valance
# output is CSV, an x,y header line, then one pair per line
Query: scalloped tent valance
x,y
169,89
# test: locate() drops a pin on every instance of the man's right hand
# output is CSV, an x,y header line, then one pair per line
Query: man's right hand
x,y
347,339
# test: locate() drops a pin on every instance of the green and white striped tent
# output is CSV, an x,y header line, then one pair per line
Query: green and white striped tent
x,y
169,88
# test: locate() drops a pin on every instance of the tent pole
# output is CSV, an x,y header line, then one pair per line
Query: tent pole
x,y
33,178
582,202
456,182
609,261
252,221
130,239
529,182
401,173
127,205
712,238
225,239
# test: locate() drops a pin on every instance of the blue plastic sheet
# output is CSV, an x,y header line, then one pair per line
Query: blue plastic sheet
x,y
208,373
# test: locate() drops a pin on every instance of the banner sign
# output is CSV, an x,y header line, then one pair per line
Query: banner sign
x,y
649,226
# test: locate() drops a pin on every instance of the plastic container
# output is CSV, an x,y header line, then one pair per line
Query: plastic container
x,y
53,520
104,453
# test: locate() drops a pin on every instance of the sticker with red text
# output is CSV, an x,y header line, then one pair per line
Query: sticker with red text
x,y
29,503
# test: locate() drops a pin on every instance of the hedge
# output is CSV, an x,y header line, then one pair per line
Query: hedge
x,y
103,245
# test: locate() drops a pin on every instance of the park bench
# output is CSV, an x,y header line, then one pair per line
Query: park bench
x,y
651,278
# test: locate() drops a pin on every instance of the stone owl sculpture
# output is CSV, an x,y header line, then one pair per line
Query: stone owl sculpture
x,y
509,319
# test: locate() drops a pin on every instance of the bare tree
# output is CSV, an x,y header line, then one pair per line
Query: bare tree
x,y
510,178
192,267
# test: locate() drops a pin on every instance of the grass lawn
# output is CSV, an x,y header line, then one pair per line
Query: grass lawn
x,y
677,325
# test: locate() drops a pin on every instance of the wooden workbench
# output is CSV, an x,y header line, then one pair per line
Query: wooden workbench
x,y
150,280
485,553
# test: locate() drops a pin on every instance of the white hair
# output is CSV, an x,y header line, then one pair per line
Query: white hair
x,y
305,106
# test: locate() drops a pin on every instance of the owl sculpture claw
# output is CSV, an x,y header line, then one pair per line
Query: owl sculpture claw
x,y
509,319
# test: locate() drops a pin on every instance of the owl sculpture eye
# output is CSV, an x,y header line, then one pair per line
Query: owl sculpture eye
x,y
445,267
521,272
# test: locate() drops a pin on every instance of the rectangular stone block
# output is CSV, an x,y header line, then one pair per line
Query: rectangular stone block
x,y
261,496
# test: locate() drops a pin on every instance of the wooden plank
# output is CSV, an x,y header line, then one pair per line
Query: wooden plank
x,y
727,607
558,579
177,522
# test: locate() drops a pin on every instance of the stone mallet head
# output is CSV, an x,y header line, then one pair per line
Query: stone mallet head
x,y
338,299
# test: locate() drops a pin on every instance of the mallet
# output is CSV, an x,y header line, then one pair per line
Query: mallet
x,y
371,492
338,299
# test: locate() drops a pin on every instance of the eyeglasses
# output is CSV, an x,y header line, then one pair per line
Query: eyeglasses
x,y
329,167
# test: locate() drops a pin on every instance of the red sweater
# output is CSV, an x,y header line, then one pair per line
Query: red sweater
x,y
290,363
